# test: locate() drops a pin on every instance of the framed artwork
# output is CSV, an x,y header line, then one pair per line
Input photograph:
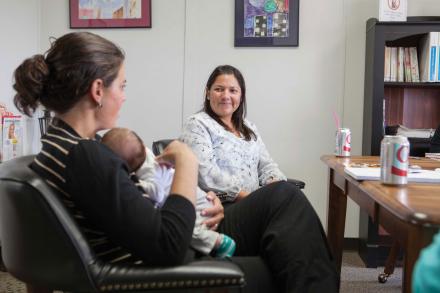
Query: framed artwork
x,y
110,13
266,23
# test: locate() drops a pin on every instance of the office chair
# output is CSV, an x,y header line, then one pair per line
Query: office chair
x,y
43,247
159,145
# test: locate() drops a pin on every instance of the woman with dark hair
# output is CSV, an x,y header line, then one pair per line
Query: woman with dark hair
x,y
233,158
275,221
81,78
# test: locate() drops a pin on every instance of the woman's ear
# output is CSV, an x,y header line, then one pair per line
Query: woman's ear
x,y
97,91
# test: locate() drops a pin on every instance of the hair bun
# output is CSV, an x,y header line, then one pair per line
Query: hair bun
x,y
30,79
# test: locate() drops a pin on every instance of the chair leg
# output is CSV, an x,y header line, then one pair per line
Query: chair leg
x,y
390,263
33,289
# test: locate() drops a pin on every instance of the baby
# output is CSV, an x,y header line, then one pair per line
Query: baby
x,y
155,180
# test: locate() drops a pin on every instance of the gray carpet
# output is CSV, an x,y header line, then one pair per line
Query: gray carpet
x,y
354,276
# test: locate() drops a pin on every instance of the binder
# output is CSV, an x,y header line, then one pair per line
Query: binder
x,y
428,57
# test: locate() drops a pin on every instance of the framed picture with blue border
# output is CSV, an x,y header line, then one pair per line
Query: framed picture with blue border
x,y
266,23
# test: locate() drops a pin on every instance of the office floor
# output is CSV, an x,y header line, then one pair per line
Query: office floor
x,y
357,278
354,278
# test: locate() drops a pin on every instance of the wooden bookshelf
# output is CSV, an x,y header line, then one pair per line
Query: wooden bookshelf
x,y
413,104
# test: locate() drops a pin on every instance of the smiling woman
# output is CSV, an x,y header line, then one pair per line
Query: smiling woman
x,y
265,221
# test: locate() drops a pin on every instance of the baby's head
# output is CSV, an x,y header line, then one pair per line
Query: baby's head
x,y
127,144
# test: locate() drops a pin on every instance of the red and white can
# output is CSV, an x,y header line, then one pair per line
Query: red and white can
x,y
343,142
394,153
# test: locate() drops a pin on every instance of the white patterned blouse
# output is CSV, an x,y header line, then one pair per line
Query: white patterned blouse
x,y
228,163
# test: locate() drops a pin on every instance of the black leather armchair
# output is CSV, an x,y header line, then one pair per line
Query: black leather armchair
x,y
43,247
159,145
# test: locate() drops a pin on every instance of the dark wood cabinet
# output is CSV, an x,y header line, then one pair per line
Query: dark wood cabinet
x,y
415,105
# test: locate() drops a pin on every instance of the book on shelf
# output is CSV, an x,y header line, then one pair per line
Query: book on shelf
x,y
407,65
399,129
433,156
414,64
387,64
393,68
429,47
400,64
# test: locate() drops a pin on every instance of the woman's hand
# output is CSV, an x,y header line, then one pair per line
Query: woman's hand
x,y
216,213
271,181
242,194
186,168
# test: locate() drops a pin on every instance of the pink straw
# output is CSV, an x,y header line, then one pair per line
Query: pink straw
x,y
337,120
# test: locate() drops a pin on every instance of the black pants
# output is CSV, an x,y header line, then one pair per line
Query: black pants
x,y
278,223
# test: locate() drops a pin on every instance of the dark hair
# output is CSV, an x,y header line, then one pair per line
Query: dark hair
x,y
119,140
239,114
61,77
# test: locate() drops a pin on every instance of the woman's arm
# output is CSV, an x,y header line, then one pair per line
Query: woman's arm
x,y
186,168
268,170
211,175
108,198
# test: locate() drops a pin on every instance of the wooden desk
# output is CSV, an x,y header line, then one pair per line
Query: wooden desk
x,y
411,214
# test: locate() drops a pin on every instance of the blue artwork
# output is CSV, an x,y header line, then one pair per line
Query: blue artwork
x,y
266,18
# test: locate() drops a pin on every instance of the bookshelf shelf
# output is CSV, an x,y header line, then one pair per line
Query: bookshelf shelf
x,y
415,105
412,84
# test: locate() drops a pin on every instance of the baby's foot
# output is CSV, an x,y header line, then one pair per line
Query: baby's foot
x,y
226,247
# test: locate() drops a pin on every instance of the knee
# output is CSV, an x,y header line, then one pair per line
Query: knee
x,y
285,191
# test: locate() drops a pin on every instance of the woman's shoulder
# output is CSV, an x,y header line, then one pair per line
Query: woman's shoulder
x,y
200,119
94,153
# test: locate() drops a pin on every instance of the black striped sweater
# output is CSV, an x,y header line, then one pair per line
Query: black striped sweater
x,y
120,224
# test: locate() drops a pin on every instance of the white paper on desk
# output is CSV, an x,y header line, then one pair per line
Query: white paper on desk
x,y
427,176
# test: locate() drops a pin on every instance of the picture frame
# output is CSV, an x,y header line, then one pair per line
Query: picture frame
x,y
110,14
266,23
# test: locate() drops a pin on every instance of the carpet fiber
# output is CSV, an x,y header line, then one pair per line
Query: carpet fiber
x,y
354,278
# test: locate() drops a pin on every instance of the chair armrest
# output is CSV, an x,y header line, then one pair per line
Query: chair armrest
x,y
195,275
300,184
159,145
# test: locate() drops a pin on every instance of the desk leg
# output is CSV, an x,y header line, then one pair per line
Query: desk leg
x,y
418,238
337,208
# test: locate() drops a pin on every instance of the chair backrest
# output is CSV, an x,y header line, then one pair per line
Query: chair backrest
x,y
159,145
41,244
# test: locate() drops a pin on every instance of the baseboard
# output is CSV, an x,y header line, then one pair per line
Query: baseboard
x,y
372,256
351,244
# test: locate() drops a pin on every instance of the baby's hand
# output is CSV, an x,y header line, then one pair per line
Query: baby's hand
x,y
165,164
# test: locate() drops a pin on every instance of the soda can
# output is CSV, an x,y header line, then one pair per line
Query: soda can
x,y
394,152
343,142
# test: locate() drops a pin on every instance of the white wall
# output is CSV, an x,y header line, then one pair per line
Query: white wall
x,y
292,92
19,26
154,65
